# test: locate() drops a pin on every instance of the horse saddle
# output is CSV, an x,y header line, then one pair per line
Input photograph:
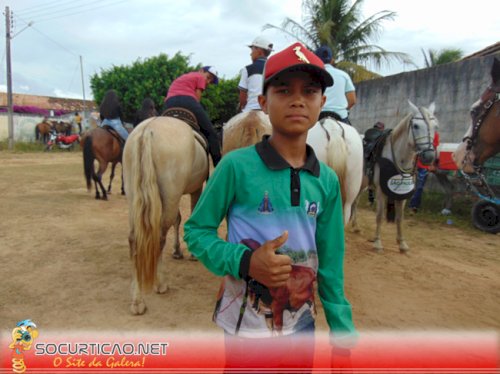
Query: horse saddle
x,y
184,115
188,117
373,143
114,133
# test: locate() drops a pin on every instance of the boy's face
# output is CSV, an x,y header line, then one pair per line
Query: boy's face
x,y
293,102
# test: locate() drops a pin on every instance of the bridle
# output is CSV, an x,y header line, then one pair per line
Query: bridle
x,y
420,146
478,113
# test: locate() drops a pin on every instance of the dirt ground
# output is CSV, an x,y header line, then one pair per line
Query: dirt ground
x,y
64,263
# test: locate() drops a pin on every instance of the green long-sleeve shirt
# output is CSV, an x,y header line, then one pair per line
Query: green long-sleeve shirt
x,y
261,196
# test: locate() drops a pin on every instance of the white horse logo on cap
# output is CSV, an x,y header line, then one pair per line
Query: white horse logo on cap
x,y
301,55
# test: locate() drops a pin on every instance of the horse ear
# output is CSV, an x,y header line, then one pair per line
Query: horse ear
x,y
432,107
413,107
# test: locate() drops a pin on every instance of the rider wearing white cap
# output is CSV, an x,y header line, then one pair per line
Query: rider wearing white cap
x,y
250,84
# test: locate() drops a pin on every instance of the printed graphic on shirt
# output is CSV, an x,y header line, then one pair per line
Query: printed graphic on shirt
x,y
312,208
265,206
269,312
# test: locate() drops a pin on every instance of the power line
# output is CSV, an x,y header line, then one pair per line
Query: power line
x,y
48,37
44,5
70,13
48,12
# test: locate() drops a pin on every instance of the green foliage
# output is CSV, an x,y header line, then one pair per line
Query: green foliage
x,y
443,56
152,78
339,25
221,101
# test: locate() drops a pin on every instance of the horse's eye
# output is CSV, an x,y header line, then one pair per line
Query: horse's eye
x,y
415,126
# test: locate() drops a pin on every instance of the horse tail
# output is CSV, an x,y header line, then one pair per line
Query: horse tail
x,y
336,156
146,209
37,133
88,161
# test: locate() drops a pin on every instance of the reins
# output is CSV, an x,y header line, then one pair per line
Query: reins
x,y
428,143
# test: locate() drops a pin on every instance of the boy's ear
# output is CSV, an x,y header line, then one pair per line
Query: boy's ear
x,y
263,103
323,100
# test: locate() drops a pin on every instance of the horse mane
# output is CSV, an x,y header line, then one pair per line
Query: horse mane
x,y
248,131
401,126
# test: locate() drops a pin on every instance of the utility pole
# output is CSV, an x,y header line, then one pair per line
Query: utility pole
x,y
83,90
9,78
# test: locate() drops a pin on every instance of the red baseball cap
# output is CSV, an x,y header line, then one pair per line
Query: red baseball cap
x,y
296,58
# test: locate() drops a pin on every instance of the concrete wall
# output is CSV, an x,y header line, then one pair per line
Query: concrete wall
x,y
453,87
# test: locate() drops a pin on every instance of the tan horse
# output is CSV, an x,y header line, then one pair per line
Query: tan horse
x,y
162,161
245,129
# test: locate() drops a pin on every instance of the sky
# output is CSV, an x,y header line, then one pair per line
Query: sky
x,y
53,41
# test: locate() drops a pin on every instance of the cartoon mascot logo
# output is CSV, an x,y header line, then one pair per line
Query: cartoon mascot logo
x,y
23,336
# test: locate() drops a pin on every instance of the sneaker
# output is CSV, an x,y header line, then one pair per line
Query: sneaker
x,y
413,210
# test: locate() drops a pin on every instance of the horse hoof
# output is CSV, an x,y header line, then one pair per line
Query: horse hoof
x,y
161,288
192,258
177,256
138,309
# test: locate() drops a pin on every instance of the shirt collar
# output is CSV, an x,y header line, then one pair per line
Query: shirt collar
x,y
274,161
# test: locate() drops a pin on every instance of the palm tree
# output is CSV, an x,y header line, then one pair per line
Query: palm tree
x,y
339,25
443,56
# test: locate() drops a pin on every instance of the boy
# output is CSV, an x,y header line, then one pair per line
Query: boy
x,y
281,204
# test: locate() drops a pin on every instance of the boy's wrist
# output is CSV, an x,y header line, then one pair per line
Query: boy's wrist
x,y
245,264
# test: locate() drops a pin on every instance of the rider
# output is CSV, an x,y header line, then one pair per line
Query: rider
x,y
111,113
340,97
250,85
185,92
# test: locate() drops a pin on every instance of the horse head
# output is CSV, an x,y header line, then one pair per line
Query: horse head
x,y
482,138
423,126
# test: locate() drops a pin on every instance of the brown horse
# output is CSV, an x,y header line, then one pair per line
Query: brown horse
x,y
42,131
62,127
482,139
104,146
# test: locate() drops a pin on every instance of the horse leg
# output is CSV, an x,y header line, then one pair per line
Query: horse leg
x,y
177,254
161,285
353,221
138,305
113,165
195,196
123,186
98,181
399,206
381,201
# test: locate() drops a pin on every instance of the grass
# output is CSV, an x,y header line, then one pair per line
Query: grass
x,y
31,147
433,203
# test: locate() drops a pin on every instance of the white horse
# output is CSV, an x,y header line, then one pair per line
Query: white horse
x,y
162,161
411,137
335,143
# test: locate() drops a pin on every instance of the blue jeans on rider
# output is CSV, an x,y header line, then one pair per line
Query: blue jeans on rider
x,y
416,199
117,125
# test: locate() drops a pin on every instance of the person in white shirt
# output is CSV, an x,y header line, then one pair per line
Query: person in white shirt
x,y
341,97
250,85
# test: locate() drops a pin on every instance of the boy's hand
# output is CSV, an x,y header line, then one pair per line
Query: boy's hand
x,y
269,268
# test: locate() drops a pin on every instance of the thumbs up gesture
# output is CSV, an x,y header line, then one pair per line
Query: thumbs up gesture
x,y
269,268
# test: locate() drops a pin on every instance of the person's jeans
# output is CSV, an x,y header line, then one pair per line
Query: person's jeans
x,y
419,188
117,125
204,122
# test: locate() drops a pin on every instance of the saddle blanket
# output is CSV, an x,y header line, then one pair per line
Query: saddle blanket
x,y
395,185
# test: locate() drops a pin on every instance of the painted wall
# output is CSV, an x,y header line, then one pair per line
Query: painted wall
x,y
453,87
